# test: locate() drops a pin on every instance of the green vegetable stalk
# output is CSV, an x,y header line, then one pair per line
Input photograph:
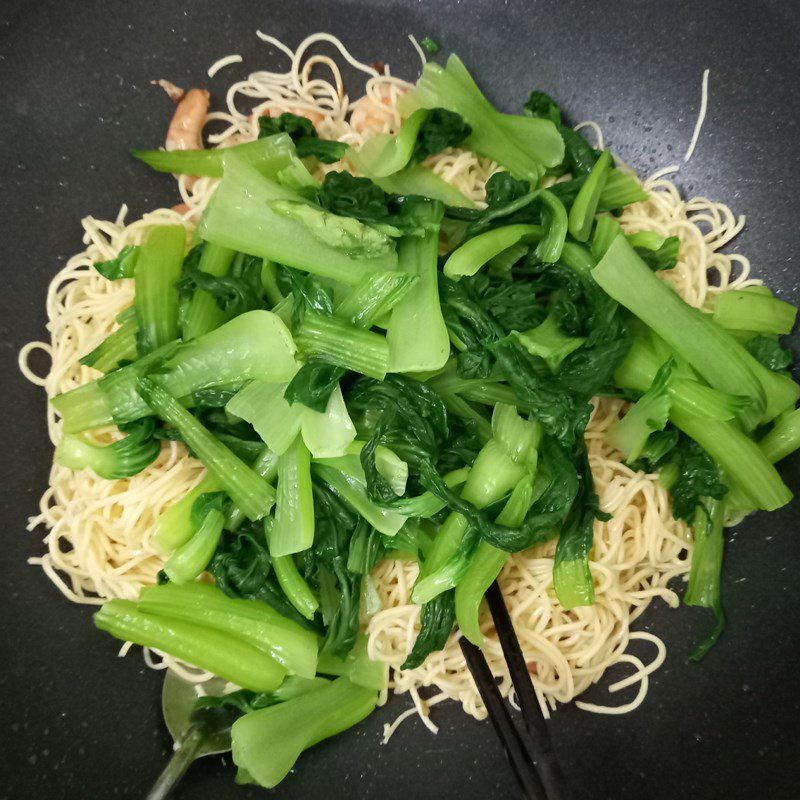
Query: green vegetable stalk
x,y
719,358
293,530
191,558
174,527
704,577
121,459
267,742
417,335
254,345
487,563
119,346
221,653
252,621
746,310
255,215
156,301
246,488
203,314
499,466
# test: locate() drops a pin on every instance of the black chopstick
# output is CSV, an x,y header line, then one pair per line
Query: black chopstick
x,y
529,752
539,745
515,749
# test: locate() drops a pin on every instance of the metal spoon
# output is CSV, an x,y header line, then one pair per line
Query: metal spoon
x,y
197,733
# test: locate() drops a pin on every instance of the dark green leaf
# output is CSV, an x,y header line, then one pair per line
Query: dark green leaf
x,y
441,129
241,567
769,353
324,567
208,501
120,267
430,46
304,136
540,104
313,384
307,294
360,198
560,479
436,623
324,150
665,257
505,188
563,414
366,549
235,293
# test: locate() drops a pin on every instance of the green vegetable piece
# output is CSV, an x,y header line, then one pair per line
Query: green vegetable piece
x,y
768,352
327,434
383,155
268,742
294,586
581,215
425,132
293,530
499,466
572,576
122,459
174,527
268,156
157,269
304,135
339,342
203,313
649,413
784,438
191,558
243,216
523,145
255,345
417,335
548,342
118,347
251,621
487,563
221,653
747,311
737,454
415,180
358,667
471,256
262,404
430,46
246,488
606,230
374,296
719,358
436,624
704,577
346,477
344,234
123,266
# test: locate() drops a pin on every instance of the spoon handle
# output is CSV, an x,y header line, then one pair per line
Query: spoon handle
x,y
177,765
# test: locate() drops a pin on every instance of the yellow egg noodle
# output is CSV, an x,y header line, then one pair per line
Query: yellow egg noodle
x,y
99,532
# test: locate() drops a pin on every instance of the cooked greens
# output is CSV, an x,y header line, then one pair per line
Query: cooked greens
x,y
370,366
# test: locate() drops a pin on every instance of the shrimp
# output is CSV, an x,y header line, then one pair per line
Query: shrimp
x,y
186,128
371,115
175,93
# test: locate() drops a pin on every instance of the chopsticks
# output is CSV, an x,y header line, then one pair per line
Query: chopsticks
x,y
530,751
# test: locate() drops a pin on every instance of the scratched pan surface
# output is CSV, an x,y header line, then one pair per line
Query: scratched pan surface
x,y
76,721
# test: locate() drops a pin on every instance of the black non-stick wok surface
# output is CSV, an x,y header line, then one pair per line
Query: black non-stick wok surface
x,y
78,722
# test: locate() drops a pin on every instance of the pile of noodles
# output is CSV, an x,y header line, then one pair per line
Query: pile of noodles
x,y
99,532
